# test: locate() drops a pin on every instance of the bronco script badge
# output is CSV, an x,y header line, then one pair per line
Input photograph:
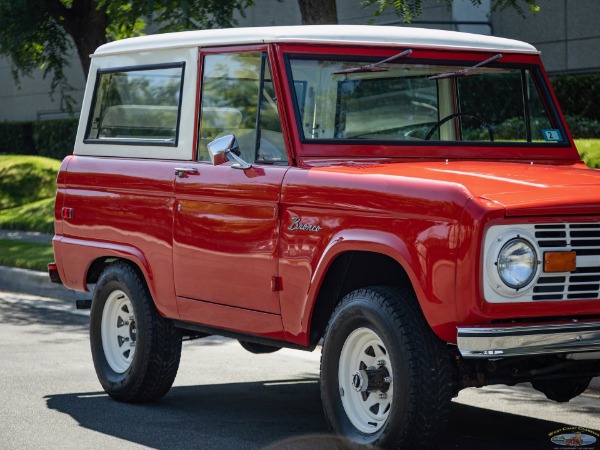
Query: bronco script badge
x,y
297,224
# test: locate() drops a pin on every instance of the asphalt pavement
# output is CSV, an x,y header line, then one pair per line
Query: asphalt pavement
x,y
29,236
37,283
223,397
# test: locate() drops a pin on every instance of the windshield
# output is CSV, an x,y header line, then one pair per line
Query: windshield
x,y
406,100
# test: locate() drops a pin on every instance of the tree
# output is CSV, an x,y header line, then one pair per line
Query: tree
x,y
38,34
324,11
318,12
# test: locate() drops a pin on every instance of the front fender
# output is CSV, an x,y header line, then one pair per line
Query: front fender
x,y
430,270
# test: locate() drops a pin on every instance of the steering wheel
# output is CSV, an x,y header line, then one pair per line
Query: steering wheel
x,y
459,114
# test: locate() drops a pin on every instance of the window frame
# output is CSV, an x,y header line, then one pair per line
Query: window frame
x,y
534,70
563,153
145,142
268,55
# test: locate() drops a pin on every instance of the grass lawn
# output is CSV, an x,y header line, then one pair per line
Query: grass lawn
x,y
25,179
26,255
35,216
589,149
27,189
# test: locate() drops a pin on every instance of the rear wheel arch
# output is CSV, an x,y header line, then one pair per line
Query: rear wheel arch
x,y
98,266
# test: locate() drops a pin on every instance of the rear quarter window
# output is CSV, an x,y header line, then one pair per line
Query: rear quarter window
x,y
136,105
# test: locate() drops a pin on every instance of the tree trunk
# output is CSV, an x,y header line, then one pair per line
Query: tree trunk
x,y
316,12
86,24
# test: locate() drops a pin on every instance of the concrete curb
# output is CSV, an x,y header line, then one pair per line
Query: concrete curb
x,y
36,283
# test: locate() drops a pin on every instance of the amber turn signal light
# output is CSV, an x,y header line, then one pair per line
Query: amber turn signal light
x,y
560,261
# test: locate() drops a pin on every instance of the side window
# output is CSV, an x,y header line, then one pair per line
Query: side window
x,y
137,104
238,97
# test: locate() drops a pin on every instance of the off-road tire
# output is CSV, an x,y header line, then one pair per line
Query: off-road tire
x,y
149,372
417,360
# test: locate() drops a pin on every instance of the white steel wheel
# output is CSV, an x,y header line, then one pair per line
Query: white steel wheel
x,y
119,332
385,376
365,380
135,350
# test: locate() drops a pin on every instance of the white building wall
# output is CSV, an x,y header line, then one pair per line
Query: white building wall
x,y
30,100
565,31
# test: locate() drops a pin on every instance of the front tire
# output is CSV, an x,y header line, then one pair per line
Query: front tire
x,y
136,352
385,376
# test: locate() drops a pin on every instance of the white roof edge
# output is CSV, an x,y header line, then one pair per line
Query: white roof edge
x,y
323,34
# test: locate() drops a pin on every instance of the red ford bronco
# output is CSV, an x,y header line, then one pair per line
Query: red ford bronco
x,y
411,199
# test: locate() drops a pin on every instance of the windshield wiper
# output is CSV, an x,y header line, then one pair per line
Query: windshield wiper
x,y
464,72
373,67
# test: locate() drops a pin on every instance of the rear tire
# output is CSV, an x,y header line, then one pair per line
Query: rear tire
x,y
385,376
136,352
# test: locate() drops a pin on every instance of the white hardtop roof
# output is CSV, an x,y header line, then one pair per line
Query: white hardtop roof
x,y
320,34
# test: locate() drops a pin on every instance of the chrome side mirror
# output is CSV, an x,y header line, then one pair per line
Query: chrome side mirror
x,y
225,149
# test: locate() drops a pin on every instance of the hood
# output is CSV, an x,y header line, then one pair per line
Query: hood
x,y
531,189
522,189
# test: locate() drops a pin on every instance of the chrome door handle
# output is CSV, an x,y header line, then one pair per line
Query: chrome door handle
x,y
182,171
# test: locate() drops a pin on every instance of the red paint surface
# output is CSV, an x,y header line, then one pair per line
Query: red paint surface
x,y
209,244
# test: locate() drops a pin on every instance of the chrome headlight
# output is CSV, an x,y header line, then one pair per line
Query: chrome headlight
x,y
512,263
517,263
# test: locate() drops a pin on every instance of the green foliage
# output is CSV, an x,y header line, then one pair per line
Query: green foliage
x,y
26,179
54,138
50,138
589,150
41,34
181,15
408,10
35,216
33,41
16,136
578,95
26,255
583,128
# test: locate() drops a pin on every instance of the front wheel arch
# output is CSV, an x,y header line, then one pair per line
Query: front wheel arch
x,y
349,271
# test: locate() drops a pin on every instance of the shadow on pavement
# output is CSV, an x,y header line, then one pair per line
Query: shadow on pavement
x,y
275,415
242,416
41,312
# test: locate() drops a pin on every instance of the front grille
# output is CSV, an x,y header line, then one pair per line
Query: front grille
x,y
584,282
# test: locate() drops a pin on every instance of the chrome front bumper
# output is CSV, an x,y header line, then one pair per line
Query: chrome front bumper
x,y
502,342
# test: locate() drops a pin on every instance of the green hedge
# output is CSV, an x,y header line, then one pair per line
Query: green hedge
x,y
578,95
16,137
583,127
54,138
50,138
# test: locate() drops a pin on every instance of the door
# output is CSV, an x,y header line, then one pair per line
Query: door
x,y
226,228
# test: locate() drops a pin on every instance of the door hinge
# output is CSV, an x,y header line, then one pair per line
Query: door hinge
x,y
276,284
